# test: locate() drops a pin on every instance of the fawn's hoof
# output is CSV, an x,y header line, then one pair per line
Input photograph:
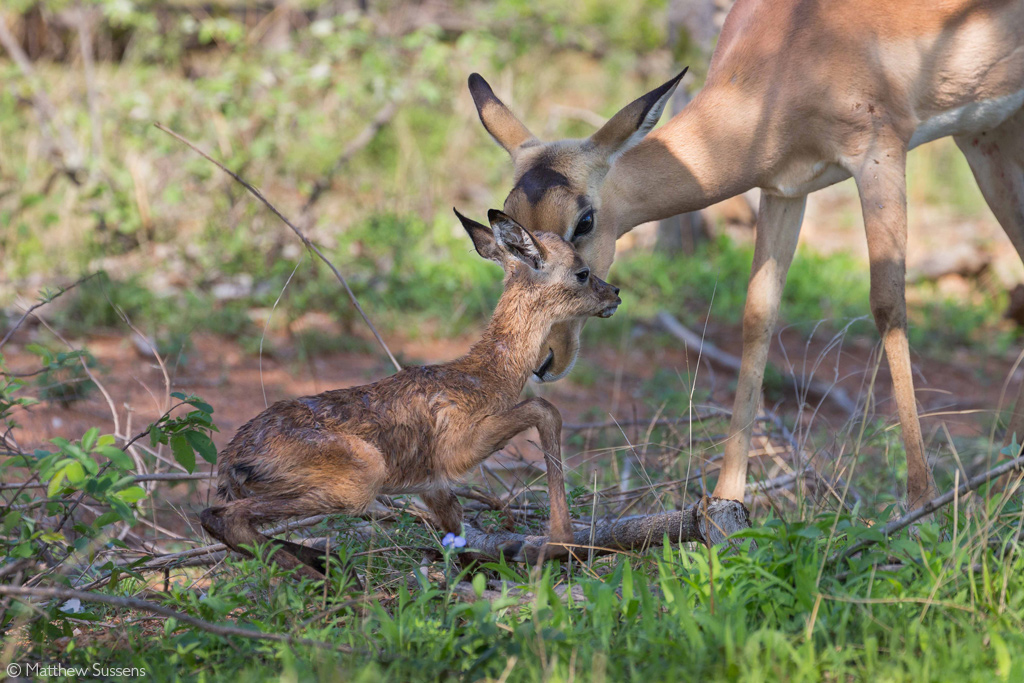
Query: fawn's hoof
x,y
513,551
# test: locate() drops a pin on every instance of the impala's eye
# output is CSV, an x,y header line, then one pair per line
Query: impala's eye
x,y
584,225
582,276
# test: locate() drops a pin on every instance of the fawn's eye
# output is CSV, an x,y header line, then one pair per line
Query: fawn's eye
x,y
584,225
582,276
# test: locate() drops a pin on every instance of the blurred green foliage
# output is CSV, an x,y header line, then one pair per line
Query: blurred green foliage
x,y
150,210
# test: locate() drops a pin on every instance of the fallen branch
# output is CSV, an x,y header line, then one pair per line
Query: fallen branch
x,y
1017,464
305,240
147,606
715,355
709,525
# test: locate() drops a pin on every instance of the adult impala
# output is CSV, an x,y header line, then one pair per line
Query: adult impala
x,y
800,94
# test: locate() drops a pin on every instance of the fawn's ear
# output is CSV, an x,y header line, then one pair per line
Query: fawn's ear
x,y
498,119
516,241
483,238
635,120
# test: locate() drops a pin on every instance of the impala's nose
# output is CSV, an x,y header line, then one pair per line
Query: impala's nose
x,y
546,365
615,289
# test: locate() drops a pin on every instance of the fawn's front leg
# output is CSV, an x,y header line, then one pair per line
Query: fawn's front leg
x,y
497,430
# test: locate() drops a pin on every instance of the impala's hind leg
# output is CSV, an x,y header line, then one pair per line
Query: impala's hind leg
x,y
997,159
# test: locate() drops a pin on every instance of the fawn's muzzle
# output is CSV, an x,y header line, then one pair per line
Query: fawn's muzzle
x,y
610,294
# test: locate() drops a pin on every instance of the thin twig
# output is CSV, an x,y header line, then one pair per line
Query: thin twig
x,y
33,307
932,505
837,395
305,240
147,606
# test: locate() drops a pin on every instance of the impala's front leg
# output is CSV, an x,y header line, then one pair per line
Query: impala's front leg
x,y
496,431
778,226
881,181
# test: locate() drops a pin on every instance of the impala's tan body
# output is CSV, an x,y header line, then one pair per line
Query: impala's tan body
x,y
800,94
421,429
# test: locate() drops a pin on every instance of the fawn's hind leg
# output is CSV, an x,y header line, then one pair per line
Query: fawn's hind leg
x,y
345,476
234,524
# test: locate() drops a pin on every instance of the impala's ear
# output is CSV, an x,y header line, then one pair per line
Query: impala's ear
x,y
516,241
635,120
482,236
498,119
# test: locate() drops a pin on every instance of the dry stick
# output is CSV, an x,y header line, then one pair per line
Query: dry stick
x,y
32,308
933,505
305,240
814,388
147,606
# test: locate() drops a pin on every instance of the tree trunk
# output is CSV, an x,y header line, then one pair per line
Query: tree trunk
x,y
691,25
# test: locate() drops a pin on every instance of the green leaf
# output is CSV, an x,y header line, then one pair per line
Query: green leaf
x,y
106,440
479,584
183,453
75,473
122,510
132,494
204,444
55,484
105,519
89,438
120,459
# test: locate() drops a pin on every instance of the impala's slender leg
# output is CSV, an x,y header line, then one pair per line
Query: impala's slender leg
x,y
778,227
496,431
882,183
997,159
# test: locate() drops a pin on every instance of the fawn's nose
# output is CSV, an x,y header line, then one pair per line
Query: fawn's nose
x,y
615,289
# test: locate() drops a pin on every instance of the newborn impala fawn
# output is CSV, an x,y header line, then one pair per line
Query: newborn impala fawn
x,y
421,429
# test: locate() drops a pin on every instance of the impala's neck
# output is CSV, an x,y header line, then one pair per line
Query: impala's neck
x,y
705,154
506,355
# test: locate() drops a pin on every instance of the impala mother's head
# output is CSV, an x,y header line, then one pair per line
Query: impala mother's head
x,y
557,189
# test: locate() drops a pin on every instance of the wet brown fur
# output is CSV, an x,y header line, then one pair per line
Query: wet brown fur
x,y
417,431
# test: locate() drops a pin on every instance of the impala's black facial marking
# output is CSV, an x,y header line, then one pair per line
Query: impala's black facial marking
x,y
538,180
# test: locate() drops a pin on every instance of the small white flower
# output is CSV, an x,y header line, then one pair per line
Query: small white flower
x,y
72,606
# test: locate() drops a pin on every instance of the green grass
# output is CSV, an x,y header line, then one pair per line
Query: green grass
x,y
950,611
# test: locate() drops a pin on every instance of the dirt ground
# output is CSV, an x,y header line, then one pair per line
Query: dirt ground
x,y
239,385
